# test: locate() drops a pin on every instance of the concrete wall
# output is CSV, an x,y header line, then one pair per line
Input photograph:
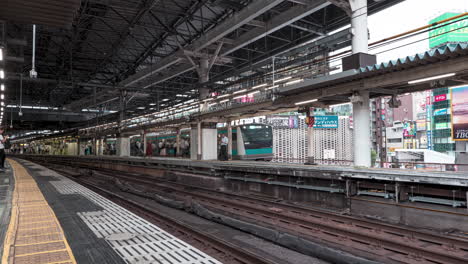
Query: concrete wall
x,y
427,219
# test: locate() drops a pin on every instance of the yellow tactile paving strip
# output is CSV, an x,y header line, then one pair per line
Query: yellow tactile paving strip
x,y
34,235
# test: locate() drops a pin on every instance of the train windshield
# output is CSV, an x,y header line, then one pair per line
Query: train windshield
x,y
257,136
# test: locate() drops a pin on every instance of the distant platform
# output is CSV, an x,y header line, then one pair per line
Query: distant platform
x,y
61,221
286,169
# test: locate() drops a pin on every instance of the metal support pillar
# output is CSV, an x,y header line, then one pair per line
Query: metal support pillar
x,y
361,108
203,141
397,193
359,26
123,146
310,146
361,131
199,142
178,143
229,135
144,142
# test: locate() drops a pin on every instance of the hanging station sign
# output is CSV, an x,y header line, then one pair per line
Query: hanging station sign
x,y
326,122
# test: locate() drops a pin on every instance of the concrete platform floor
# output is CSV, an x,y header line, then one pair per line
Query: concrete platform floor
x,y
100,231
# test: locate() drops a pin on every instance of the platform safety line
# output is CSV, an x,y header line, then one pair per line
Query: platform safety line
x,y
11,235
43,252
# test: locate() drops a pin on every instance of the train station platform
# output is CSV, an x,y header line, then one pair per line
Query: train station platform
x,y
56,220
238,167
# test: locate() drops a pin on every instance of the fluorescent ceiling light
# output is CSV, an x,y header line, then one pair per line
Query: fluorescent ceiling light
x,y
260,85
432,78
339,104
293,82
1,54
240,91
2,87
165,99
224,101
208,99
272,87
2,74
224,95
152,104
250,94
238,97
283,79
306,102
2,96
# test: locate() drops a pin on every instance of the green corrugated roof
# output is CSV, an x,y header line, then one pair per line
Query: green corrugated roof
x,y
431,56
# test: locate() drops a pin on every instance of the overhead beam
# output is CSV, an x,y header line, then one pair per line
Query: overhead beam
x,y
290,16
247,14
285,18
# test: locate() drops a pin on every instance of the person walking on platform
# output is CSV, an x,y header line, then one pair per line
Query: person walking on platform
x,y
2,149
224,145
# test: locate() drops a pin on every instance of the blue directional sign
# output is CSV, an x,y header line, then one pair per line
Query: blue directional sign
x,y
326,122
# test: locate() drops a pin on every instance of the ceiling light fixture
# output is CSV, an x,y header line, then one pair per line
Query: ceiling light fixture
x,y
260,85
306,102
272,87
2,87
2,74
240,91
282,79
293,82
431,78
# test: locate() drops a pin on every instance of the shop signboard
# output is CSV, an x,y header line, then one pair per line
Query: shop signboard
x,y
440,97
421,125
429,118
453,31
441,125
442,111
429,139
459,113
326,122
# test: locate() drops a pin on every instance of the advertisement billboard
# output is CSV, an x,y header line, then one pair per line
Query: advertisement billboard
x,y
409,129
459,113
326,122
450,32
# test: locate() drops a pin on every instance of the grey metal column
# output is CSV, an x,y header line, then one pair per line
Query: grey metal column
x,y
361,108
199,143
229,134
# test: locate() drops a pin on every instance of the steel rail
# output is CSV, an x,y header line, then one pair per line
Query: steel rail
x,y
434,247
225,248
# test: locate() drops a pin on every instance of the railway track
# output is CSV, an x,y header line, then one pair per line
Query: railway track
x,y
383,242
221,249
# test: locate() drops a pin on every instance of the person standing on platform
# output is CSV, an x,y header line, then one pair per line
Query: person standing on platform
x,y
2,149
149,149
224,145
